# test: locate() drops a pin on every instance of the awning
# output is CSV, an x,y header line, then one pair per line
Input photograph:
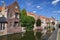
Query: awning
x,y
3,19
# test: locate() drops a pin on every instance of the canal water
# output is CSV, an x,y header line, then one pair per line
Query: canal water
x,y
30,36
22,36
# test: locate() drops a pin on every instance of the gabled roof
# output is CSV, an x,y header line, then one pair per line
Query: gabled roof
x,y
12,5
51,19
43,17
30,13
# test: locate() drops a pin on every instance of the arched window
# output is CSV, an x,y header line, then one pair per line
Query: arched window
x,y
38,22
53,23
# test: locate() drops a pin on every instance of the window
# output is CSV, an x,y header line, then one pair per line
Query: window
x,y
2,26
15,24
11,15
10,24
16,15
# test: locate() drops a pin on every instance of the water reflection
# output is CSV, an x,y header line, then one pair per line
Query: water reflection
x,y
23,33
22,36
15,36
30,36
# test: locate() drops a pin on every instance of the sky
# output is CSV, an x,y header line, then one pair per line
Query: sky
x,y
48,8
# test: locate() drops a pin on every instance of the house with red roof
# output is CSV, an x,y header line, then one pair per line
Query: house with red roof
x,y
45,21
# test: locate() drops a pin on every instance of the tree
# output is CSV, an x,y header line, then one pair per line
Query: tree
x,y
23,15
23,12
38,22
26,21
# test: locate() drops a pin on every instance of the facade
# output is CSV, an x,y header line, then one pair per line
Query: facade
x,y
34,16
9,19
42,18
45,22
53,22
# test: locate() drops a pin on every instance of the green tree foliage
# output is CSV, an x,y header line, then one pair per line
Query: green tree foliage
x,y
38,22
26,21
23,12
28,36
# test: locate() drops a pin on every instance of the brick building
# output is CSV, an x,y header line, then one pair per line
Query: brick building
x,y
9,19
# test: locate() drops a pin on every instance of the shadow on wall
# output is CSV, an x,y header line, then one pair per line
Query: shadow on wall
x,y
59,26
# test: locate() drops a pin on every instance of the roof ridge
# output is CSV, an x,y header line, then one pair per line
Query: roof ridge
x,y
15,2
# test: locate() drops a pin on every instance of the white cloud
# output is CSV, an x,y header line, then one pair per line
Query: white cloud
x,y
59,11
2,1
56,12
38,7
34,11
55,2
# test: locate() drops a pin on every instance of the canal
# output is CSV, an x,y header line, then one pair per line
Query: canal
x,y
22,36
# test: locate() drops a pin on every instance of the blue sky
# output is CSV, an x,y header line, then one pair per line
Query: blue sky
x,y
46,8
